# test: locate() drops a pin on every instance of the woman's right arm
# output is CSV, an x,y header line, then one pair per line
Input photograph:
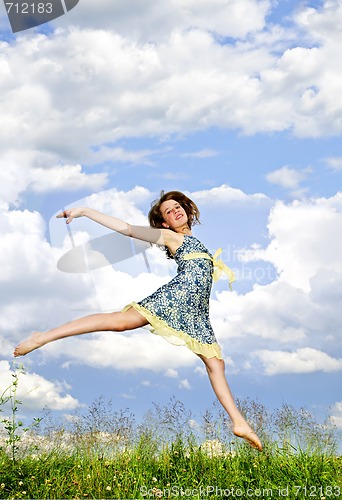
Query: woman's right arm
x,y
163,237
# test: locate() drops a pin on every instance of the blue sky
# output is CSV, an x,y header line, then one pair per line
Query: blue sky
x,y
238,104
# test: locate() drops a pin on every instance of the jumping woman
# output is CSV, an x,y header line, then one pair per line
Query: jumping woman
x,y
179,310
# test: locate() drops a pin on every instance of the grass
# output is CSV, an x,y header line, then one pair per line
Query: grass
x,y
103,453
175,471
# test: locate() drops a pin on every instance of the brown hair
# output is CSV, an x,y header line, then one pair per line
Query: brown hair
x,y
156,219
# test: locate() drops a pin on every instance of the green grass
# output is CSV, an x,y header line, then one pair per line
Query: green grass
x,y
174,470
102,453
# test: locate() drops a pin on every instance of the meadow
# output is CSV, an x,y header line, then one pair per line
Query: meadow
x,y
170,453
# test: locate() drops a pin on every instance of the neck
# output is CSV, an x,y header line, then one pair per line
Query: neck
x,y
184,230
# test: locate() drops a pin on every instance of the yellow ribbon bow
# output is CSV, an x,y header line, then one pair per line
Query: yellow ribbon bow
x,y
219,265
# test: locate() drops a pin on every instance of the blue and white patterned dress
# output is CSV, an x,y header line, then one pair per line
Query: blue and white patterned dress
x,y
179,310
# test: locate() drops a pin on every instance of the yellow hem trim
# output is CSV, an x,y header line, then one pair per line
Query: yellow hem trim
x,y
161,328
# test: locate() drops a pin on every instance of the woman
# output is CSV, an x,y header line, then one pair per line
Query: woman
x,y
179,310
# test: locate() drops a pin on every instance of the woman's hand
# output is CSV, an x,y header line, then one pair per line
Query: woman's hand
x,y
71,213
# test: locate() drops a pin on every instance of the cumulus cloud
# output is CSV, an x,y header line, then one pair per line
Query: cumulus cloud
x,y
334,163
305,360
300,307
67,178
36,392
202,153
184,384
28,170
34,294
288,178
84,88
226,194
38,296
303,240
336,414
125,352
155,21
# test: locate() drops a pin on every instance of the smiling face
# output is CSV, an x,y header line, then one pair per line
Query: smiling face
x,y
174,210
174,215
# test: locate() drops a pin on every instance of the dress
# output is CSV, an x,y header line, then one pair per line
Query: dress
x,y
179,310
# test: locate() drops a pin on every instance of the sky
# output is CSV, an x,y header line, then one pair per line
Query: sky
x,y
238,104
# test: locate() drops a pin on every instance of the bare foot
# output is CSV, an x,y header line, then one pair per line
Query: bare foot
x,y
244,431
28,345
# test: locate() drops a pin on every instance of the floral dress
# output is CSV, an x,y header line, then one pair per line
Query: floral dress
x,y
179,310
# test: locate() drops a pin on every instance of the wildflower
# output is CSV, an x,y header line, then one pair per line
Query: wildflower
x,y
108,488
2,486
212,448
23,492
20,483
154,479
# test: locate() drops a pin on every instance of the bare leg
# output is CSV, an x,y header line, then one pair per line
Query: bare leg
x,y
116,321
215,369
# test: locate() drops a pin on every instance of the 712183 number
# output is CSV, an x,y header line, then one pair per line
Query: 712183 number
x,y
29,8
317,491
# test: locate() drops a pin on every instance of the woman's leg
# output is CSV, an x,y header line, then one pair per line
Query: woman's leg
x,y
215,369
116,321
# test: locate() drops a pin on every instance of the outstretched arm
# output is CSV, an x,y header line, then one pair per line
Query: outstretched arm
x,y
163,237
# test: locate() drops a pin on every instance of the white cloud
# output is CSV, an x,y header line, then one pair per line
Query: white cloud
x,y
301,306
124,204
23,170
171,373
303,240
155,21
321,22
287,177
83,88
119,351
36,392
201,371
202,153
66,178
336,414
226,194
34,294
335,163
305,360
185,384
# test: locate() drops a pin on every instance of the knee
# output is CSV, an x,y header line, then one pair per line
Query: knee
x,y
214,365
117,322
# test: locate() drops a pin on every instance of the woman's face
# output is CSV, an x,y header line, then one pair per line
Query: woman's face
x,y
173,214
